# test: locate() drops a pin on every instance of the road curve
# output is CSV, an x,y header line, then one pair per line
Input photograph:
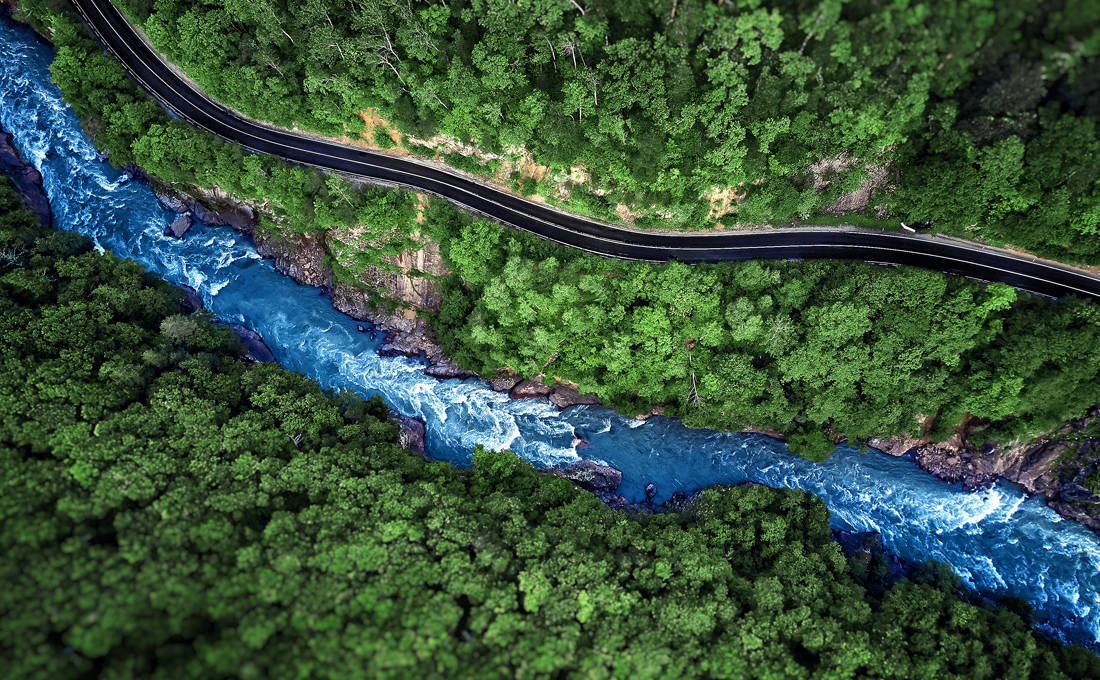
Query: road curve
x,y
950,255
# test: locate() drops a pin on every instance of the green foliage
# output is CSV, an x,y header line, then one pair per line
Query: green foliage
x,y
976,104
382,138
133,129
846,348
169,511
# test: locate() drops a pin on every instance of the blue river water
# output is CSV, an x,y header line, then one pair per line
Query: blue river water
x,y
997,540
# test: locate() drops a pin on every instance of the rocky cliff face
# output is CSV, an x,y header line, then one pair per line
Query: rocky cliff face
x,y
407,282
1057,467
302,257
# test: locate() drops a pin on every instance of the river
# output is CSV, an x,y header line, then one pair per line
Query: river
x,y
997,540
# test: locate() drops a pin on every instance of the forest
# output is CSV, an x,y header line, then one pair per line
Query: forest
x,y
980,116
817,350
170,510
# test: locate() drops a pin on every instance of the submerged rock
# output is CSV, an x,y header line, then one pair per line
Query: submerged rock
x,y
257,350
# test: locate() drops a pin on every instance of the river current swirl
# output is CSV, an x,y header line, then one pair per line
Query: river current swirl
x,y
997,540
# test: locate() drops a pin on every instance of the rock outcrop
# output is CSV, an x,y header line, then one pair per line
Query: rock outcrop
x,y
1053,467
191,302
179,226
504,380
530,389
590,476
26,178
257,350
563,395
412,435
212,206
566,395
302,258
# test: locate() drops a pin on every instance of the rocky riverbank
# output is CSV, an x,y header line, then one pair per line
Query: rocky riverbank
x,y
407,332
1059,467
27,179
1054,467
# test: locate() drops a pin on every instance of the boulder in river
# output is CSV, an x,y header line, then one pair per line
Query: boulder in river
x,y
412,432
599,479
257,350
179,226
527,389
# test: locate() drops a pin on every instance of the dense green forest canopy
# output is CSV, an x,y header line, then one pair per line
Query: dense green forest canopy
x,y
169,511
983,113
816,350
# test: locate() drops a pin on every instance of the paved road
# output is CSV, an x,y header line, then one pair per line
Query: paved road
x,y
944,254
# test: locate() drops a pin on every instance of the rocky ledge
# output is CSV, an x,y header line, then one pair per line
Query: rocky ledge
x,y
1056,467
562,393
27,179
211,207
603,482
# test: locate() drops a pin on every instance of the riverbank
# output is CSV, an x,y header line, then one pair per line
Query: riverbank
x,y
1050,468
601,480
27,180
1041,468
996,541
411,336
398,305
1059,467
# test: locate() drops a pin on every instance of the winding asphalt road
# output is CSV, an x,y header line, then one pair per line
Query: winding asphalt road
x,y
950,255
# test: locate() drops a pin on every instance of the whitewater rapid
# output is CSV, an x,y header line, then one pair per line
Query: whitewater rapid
x,y
997,540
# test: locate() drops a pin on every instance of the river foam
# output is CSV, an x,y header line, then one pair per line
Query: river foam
x,y
995,539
